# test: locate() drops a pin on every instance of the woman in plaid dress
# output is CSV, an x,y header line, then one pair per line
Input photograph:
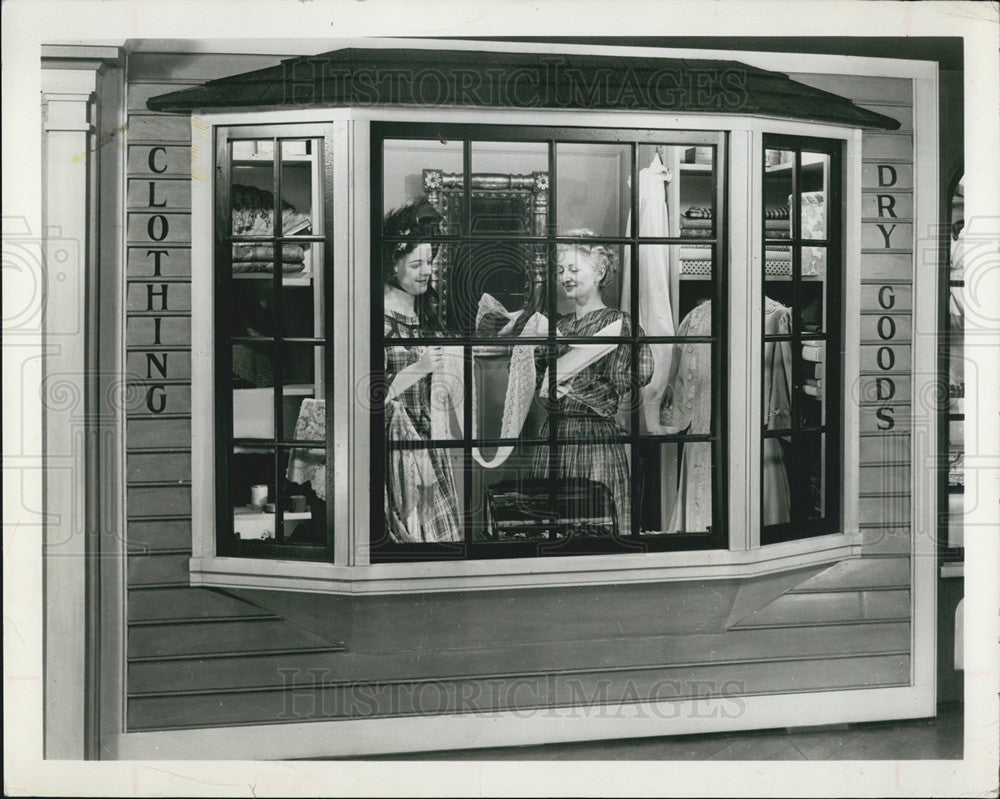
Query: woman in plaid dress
x,y
588,408
420,494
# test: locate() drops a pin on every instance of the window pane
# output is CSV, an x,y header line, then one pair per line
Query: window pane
x,y
676,487
592,191
252,196
815,184
511,166
812,407
778,262
777,459
811,463
577,268
301,209
251,483
661,267
251,306
256,504
566,492
425,168
427,382
302,307
424,485
506,402
812,292
484,281
778,168
676,191
253,392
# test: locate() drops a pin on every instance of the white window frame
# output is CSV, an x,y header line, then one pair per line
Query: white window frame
x,y
351,571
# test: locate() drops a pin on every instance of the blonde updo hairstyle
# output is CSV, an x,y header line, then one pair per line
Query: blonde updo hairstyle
x,y
602,254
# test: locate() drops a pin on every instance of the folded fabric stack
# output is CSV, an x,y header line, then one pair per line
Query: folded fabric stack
x,y
253,215
696,259
697,223
260,258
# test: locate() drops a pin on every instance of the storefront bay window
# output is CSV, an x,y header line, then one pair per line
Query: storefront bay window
x,y
614,344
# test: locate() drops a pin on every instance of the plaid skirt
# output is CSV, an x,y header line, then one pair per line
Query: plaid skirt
x,y
420,493
601,459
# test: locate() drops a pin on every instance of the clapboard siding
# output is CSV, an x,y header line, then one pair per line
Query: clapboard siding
x,y
200,658
160,604
886,604
886,541
158,466
881,479
528,660
159,534
219,638
726,681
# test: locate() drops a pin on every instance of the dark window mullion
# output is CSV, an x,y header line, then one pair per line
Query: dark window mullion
x,y
223,285
719,414
467,366
550,356
797,514
636,476
279,330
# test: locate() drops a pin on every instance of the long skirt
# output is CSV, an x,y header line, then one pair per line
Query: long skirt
x,y
601,460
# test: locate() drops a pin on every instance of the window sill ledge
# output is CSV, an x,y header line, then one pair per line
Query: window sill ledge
x,y
484,575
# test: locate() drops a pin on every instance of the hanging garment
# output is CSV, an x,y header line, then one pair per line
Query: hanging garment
x,y
687,408
776,501
587,411
655,310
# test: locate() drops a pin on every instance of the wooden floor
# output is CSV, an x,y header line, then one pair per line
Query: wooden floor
x,y
938,738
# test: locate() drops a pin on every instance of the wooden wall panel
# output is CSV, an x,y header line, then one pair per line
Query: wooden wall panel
x,y
159,467
886,541
160,534
268,670
158,569
173,261
158,604
159,161
315,701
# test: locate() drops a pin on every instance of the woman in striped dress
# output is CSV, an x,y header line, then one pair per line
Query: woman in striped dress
x,y
590,399
420,495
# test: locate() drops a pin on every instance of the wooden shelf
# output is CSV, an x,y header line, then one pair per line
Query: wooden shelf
x,y
267,159
702,169
809,161
290,279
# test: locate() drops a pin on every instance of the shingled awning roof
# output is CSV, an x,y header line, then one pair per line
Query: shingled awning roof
x,y
436,78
